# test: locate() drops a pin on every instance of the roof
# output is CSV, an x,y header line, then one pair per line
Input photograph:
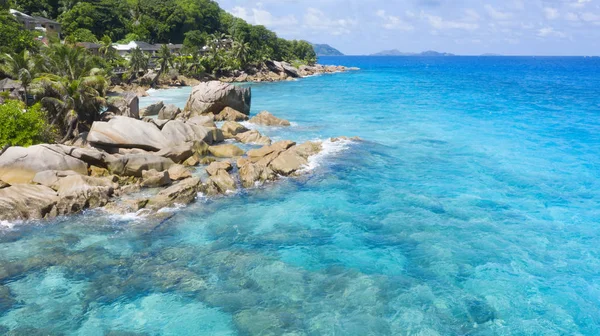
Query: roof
x,y
135,44
40,19
89,45
9,84
174,46
21,14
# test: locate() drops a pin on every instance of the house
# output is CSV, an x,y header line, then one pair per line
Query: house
x,y
125,49
9,85
175,48
93,48
37,22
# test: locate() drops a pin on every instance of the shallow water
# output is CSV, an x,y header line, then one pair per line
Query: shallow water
x,y
471,208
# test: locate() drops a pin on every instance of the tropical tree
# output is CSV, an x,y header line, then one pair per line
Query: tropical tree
x,y
138,62
21,67
72,104
240,52
165,59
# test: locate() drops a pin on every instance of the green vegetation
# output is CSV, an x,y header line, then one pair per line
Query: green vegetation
x,y
326,50
66,85
20,126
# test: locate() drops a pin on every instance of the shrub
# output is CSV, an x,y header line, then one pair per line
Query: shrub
x,y
21,127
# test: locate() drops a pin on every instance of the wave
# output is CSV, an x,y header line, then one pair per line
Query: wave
x,y
329,148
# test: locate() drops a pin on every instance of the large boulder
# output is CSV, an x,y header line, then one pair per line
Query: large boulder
x,y
226,151
220,178
229,114
231,129
122,132
214,96
253,137
169,112
154,179
183,193
203,120
214,167
50,178
78,192
127,105
152,110
178,153
20,164
265,118
135,164
290,70
178,132
179,172
26,201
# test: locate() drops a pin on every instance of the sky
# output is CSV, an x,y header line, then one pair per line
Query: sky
x,y
465,27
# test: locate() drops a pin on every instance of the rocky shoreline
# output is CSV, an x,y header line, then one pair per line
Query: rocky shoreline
x,y
175,153
270,71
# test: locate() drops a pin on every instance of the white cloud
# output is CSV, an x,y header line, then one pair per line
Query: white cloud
x,y
439,23
393,22
572,17
549,31
590,17
260,16
551,13
315,19
580,3
497,14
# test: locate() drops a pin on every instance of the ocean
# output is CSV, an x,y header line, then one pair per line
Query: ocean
x,y
472,207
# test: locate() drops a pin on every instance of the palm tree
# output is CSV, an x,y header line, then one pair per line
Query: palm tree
x,y
20,67
72,104
66,61
138,62
106,49
165,59
240,52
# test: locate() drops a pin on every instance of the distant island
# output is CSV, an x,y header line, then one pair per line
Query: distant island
x,y
326,50
396,52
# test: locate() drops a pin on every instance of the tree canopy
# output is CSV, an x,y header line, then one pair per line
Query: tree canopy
x,y
164,21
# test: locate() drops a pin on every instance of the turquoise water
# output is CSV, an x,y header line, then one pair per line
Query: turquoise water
x,y
471,208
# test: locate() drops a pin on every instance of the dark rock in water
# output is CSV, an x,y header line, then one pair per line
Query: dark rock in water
x,y
6,299
480,311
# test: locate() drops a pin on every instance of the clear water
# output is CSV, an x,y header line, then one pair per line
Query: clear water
x,y
472,208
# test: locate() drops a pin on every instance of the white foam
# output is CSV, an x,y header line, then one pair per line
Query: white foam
x,y
7,225
128,217
330,148
174,208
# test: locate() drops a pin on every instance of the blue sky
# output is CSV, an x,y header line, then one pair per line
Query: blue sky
x,y
510,27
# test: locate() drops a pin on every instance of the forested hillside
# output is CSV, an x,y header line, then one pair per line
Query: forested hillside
x,y
162,21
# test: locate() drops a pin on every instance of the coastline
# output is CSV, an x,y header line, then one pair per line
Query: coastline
x,y
271,71
104,169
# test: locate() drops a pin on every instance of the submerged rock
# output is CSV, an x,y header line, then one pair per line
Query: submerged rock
x,y
214,96
265,118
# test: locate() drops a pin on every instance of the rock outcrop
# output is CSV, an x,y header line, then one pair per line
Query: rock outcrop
x,y
253,137
229,114
123,132
225,151
231,129
169,112
127,105
155,179
135,164
265,118
152,110
220,180
20,164
181,193
27,201
214,96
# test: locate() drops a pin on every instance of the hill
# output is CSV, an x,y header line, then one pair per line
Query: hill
x,y
326,50
396,52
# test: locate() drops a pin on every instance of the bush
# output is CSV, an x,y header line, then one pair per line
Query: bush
x,y
20,127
